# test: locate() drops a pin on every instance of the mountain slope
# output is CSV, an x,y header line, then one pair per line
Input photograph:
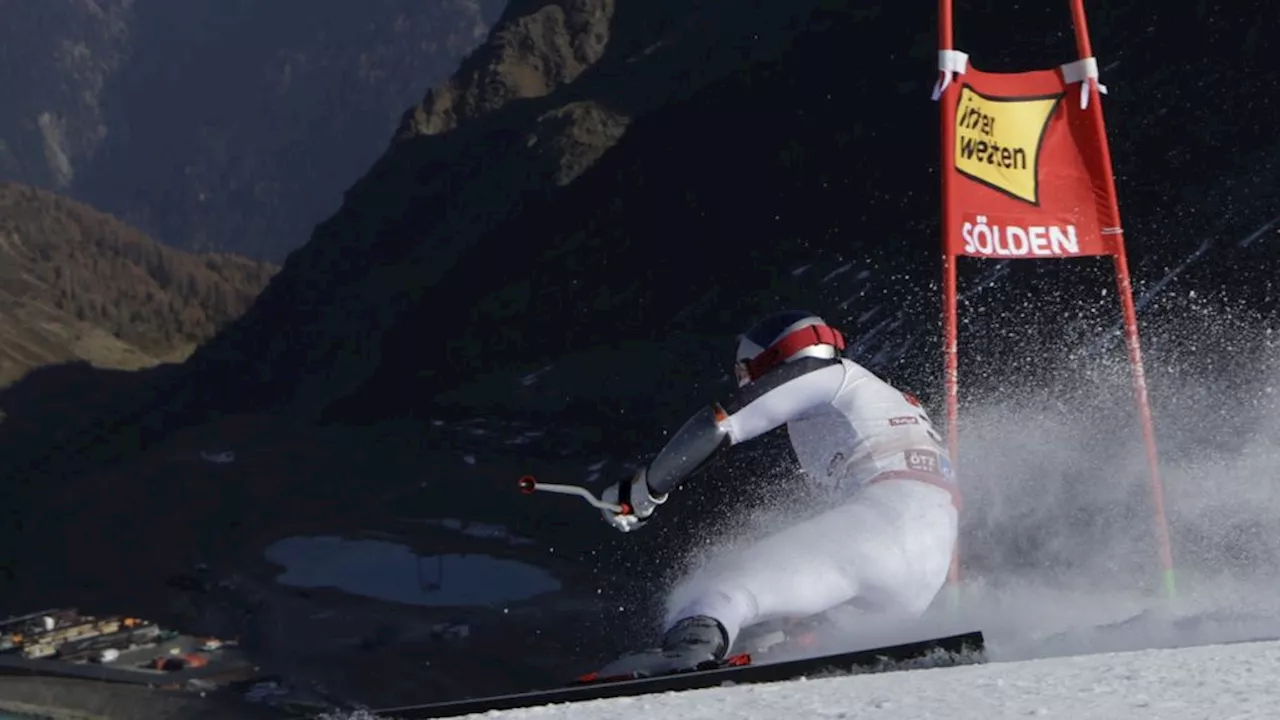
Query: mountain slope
x,y
79,285
544,271
703,168
433,197
621,223
225,126
814,178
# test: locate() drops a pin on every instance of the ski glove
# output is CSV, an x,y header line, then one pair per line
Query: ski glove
x,y
637,501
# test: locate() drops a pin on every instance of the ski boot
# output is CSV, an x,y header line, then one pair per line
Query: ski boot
x,y
695,643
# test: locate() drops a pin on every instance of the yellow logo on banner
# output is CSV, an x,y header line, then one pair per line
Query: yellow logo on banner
x,y
998,141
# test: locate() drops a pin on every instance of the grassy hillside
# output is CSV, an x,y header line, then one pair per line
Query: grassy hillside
x,y
78,284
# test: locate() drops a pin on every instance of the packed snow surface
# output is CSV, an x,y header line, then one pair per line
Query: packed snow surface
x,y
1216,681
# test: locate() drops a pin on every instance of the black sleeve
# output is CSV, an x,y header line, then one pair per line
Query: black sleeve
x,y
771,400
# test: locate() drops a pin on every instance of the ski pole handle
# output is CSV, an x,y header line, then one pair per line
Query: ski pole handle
x,y
529,485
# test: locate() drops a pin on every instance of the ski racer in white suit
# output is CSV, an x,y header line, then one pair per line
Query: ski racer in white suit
x,y
884,545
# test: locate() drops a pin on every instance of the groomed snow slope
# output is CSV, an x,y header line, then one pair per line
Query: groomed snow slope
x,y
1215,681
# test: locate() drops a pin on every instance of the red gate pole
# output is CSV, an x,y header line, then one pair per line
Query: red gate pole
x,y
1125,288
949,305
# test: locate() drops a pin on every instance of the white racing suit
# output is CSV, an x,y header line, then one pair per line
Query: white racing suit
x,y
885,546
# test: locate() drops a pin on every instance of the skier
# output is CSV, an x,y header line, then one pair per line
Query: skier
x,y
885,545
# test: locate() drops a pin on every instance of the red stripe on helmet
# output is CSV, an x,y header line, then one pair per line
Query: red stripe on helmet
x,y
792,343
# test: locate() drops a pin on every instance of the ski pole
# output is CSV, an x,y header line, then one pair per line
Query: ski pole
x,y
530,485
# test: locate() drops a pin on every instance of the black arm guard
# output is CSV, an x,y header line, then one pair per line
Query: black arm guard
x,y
688,451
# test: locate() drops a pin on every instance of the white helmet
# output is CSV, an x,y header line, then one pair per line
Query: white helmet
x,y
781,338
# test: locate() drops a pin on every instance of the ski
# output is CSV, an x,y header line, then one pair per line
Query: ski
x,y
738,671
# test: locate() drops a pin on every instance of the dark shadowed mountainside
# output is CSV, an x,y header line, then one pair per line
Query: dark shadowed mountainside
x,y
468,252
545,270
217,126
79,285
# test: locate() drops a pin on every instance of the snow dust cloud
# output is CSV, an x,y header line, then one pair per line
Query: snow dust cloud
x,y
1058,533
